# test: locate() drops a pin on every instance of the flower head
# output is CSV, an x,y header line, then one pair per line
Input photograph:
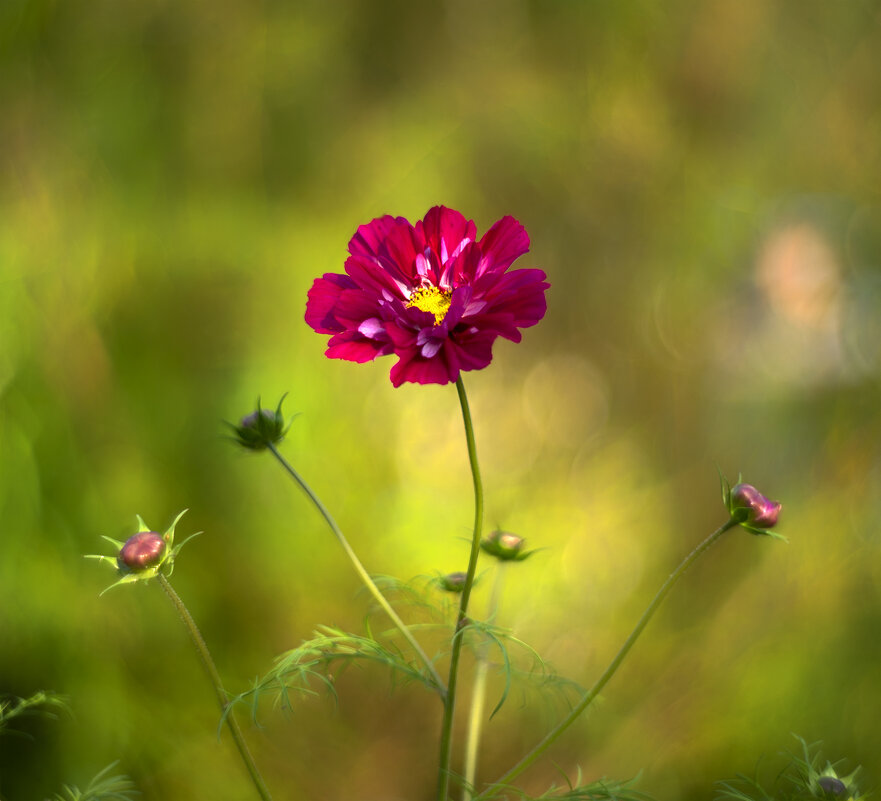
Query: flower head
x,y
432,294
145,554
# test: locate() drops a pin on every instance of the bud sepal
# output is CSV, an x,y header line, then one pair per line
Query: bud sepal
x,y
145,554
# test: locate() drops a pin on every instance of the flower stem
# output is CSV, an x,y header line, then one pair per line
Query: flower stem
x,y
222,699
478,697
362,572
610,671
443,779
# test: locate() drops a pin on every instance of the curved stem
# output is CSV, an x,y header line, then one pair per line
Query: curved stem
x,y
362,572
211,668
443,779
610,671
478,697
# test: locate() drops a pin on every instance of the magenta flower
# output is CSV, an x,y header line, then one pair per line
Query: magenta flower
x,y
431,294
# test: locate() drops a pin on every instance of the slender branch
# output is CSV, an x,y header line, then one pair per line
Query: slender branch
x,y
443,780
222,699
362,572
610,671
478,697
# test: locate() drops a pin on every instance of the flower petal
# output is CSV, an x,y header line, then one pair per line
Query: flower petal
x,y
368,240
373,277
446,231
388,243
354,306
373,328
410,367
473,352
322,298
354,347
520,293
506,241
401,247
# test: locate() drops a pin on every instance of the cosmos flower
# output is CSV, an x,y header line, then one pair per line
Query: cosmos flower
x,y
431,294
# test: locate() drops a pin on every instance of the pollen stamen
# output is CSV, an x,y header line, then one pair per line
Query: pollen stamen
x,y
431,299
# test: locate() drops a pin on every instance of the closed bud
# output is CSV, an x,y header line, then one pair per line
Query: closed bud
x,y
748,506
261,428
832,786
453,582
505,546
142,551
143,555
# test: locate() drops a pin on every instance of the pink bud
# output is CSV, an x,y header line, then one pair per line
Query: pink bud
x,y
142,551
760,511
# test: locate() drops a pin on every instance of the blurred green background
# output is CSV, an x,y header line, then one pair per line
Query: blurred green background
x,y
700,181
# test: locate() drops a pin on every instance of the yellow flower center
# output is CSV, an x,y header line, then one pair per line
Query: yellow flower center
x,y
431,299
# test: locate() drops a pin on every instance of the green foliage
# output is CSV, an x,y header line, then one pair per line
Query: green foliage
x,y
311,663
103,787
537,675
40,703
419,595
801,779
517,662
598,790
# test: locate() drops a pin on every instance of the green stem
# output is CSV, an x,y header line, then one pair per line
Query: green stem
x,y
478,698
222,699
362,572
443,778
610,671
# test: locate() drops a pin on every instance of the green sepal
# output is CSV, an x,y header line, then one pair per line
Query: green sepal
x,y
168,536
128,578
726,488
115,543
764,532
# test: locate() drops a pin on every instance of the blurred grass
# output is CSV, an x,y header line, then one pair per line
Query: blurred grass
x,y
700,181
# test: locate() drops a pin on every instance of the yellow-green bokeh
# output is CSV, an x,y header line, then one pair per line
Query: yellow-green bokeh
x,y
700,182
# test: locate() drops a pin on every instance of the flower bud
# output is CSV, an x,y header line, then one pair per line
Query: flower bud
x,y
832,785
142,551
505,546
748,505
261,428
453,582
143,555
